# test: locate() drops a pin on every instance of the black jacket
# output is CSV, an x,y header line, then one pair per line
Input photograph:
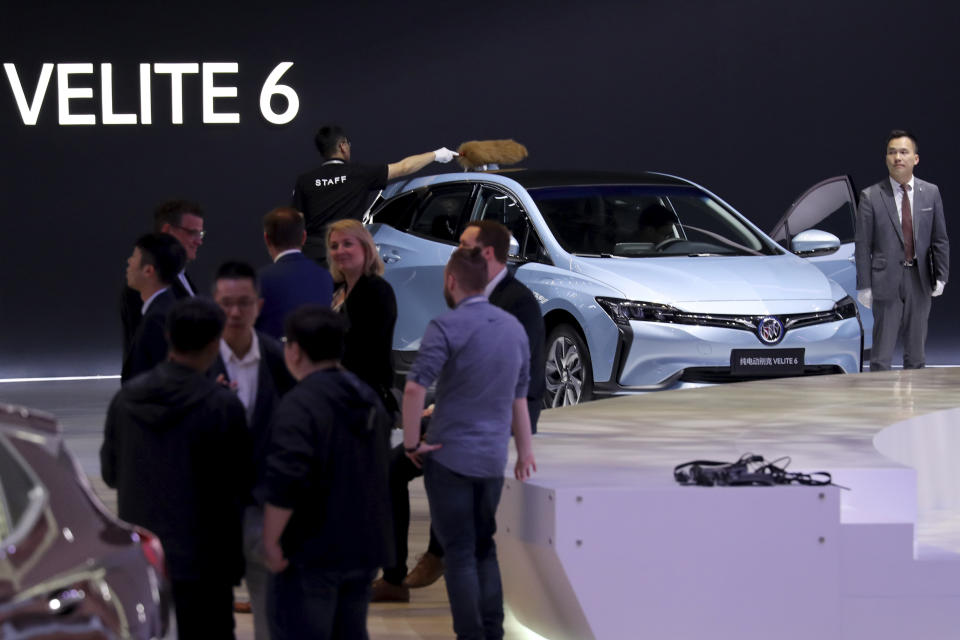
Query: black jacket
x,y
149,344
371,309
513,297
327,461
177,450
131,303
273,381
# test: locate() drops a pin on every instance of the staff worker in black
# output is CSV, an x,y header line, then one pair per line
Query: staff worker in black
x,y
339,189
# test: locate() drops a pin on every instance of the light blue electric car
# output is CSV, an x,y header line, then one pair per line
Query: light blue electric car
x,y
646,281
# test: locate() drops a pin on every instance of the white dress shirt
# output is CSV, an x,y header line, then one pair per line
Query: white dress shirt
x,y
186,285
245,372
285,253
898,197
487,290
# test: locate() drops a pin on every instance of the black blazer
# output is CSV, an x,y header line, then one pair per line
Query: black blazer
x,y
130,305
513,297
148,347
292,281
273,381
371,309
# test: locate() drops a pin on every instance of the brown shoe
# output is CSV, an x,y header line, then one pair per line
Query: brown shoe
x,y
428,570
383,591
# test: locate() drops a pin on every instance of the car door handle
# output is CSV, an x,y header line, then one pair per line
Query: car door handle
x,y
390,258
852,259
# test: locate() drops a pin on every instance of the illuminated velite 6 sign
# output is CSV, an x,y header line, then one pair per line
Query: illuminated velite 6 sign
x,y
30,108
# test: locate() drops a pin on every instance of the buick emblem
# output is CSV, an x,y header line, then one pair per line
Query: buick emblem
x,y
770,330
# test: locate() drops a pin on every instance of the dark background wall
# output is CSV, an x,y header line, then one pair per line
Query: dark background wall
x,y
755,100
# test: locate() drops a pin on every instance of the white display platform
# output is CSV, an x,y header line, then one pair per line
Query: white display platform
x,y
602,543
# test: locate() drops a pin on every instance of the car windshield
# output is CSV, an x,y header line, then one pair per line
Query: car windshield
x,y
645,221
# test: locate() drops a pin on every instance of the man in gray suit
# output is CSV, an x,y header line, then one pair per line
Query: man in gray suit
x,y
902,254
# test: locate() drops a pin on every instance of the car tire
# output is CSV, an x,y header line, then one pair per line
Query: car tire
x,y
569,374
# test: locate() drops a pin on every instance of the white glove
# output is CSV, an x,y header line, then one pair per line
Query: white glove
x,y
865,296
937,290
444,155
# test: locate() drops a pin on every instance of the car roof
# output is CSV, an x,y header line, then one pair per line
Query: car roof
x,y
538,178
532,179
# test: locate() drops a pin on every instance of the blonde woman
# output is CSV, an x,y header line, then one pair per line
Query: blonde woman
x,y
368,302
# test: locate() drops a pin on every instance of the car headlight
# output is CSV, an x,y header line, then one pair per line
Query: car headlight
x,y
845,308
623,311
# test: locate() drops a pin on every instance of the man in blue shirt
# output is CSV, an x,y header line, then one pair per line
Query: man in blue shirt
x,y
479,357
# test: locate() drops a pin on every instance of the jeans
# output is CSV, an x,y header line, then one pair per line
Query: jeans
x,y
463,511
319,604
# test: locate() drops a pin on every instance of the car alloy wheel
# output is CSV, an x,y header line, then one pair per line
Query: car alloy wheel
x,y
568,373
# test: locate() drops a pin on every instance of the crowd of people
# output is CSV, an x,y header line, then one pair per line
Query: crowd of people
x,y
251,432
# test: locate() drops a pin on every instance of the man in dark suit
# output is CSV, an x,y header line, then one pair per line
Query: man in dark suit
x,y
902,254
293,279
184,221
154,264
508,293
251,363
177,450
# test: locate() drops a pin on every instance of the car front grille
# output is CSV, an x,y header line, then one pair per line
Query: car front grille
x,y
750,322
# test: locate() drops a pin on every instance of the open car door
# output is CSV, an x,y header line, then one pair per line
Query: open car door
x,y
819,227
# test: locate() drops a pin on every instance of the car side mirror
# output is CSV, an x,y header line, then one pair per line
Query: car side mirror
x,y
514,250
814,242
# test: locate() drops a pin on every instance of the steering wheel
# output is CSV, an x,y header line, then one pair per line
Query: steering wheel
x,y
666,242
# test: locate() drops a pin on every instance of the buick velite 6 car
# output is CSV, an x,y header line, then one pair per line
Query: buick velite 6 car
x,y
68,569
646,281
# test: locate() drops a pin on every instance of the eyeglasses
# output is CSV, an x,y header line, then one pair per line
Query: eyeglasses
x,y
193,233
241,303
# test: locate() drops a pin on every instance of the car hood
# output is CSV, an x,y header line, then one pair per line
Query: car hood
x,y
733,284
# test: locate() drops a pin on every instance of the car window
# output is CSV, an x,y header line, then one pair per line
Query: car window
x,y
828,206
533,250
645,221
15,487
504,208
442,216
398,212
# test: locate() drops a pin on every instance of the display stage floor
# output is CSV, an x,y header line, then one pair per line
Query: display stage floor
x,y
617,455
603,543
